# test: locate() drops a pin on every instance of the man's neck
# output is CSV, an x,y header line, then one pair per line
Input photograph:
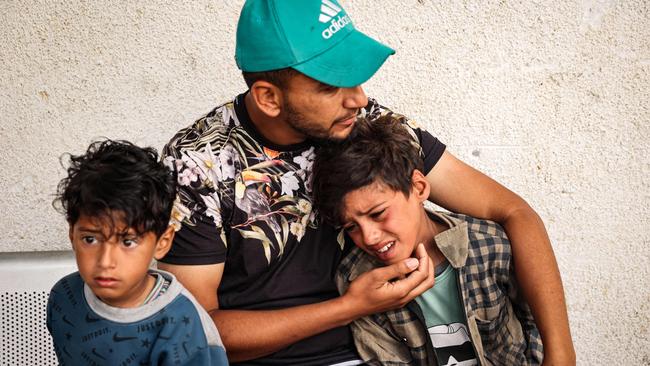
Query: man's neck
x,y
274,129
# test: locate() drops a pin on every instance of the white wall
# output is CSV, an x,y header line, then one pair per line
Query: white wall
x,y
549,98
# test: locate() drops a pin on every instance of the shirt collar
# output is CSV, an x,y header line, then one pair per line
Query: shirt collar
x,y
453,242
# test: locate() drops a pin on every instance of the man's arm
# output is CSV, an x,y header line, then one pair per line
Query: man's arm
x,y
201,280
253,334
460,188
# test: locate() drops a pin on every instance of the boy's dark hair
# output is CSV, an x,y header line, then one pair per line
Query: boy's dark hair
x,y
381,150
279,78
118,177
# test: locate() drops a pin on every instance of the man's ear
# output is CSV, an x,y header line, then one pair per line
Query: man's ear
x,y
420,186
164,243
267,97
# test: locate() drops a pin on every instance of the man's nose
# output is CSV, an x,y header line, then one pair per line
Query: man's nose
x,y
355,98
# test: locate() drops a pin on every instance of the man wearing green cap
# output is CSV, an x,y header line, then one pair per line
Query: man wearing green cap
x,y
249,245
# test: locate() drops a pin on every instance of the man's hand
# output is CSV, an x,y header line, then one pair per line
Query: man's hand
x,y
250,334
391,287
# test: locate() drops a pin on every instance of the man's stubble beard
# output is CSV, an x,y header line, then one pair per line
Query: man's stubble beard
x,y
311,130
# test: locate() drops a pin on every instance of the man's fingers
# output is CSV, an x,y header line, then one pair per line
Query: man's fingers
x,y
412,276
423,256
426,284
415,270
421,252
397,270
395,285
419,280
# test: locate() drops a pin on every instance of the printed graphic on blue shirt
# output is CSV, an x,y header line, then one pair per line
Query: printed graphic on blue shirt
x,y
452,345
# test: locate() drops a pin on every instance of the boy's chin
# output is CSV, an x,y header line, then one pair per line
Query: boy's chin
x,y
393,259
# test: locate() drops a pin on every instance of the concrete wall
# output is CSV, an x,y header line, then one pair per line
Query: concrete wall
x,y
549,98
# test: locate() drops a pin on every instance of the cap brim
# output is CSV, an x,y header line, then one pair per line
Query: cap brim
x,y
349,63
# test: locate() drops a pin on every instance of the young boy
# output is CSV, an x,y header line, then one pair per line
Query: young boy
x,y
115,310
372,185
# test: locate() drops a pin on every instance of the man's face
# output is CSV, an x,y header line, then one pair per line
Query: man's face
x,y
320,111
113,263
384,223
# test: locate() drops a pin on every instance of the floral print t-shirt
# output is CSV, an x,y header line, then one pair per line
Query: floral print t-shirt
x,y
246,201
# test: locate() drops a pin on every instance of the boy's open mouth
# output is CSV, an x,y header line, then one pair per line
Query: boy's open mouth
x,y
385,247
386,251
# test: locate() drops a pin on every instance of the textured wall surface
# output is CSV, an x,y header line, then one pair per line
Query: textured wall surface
x,y
549,98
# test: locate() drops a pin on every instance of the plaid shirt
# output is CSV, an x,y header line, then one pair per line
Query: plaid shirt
x,y
501,325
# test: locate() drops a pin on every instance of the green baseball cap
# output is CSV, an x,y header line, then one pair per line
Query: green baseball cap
x,y
315,37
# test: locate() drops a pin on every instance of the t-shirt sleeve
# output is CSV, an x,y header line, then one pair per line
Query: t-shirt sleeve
x,y
196,243
195,332
196,214
432,149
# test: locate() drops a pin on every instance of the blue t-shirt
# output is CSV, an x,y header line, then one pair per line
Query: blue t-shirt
x,y
446,322
173,329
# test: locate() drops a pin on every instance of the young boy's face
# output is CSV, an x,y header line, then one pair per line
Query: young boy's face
x,y
114,263
384,223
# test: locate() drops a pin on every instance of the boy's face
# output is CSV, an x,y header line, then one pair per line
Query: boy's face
x,y
385,223
114,263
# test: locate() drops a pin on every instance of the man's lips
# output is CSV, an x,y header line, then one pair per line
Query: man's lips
x,y
346,121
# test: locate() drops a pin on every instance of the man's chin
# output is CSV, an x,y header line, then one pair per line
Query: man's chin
x,y
338,138
341,134
331,139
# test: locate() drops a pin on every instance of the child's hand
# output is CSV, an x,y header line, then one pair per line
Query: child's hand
x,y
391,287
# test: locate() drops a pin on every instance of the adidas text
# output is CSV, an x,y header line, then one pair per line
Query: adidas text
x,y
335,26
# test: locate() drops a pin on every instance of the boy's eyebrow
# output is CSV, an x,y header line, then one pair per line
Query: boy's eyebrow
x,y
129,232
94,230
89,230
363,213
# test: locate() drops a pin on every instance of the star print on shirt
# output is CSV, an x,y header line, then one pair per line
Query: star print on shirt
x,y
65,320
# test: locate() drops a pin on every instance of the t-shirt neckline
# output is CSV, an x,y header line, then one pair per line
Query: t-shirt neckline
x,y
249,126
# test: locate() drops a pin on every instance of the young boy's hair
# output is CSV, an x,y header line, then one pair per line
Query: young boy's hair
x,y
118,177
381,150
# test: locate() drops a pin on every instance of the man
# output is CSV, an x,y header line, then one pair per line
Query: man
x,y
251,248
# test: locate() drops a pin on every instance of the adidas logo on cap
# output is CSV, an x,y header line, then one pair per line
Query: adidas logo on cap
x,y
328,10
